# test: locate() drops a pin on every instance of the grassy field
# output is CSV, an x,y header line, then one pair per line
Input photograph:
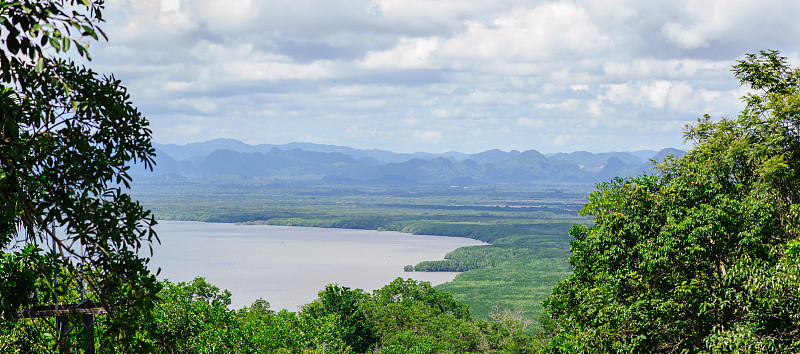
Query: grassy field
x,y
526,226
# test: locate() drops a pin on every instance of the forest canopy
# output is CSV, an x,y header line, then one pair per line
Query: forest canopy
x,y
704,256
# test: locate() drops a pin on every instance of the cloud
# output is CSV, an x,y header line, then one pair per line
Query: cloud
x,y
564,139
549,31
579,87
429,137
199,105
706,21
410,53
496,97
413,75
671,96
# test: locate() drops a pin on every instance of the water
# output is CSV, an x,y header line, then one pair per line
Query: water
x,y
288,266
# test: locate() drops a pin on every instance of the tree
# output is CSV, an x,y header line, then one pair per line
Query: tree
x,y
193,317
68,138
186,314
345,303
414,317
703,256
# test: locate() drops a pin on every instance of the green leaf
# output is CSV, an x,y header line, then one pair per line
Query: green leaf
x,y
55,43
39,67
12,43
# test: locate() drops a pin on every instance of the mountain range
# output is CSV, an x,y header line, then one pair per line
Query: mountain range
x,y
345,165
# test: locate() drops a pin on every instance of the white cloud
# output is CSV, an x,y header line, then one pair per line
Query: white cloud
x,y
706,21
579,87
563,106
594,108
228,15
649,68
656,93
549,31
678,97
201,105
484,97
170,6
410,53
564,139
445,113
684,37
249,71
449,74
429,137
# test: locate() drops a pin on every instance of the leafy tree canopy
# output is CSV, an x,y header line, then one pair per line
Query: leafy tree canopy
x,y
67,138
704,256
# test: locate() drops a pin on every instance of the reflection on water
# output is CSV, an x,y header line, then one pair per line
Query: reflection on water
x,y
287,266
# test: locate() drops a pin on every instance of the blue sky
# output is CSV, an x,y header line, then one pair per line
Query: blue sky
x,y
438,75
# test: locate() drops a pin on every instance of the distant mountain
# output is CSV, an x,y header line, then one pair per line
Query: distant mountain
x,y
662,155
588,159
344,165
197,151
492,156
644,154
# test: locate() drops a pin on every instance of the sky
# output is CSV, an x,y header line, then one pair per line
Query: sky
x,y
438,75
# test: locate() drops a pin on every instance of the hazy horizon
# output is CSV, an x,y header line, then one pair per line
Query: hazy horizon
x,y
420,151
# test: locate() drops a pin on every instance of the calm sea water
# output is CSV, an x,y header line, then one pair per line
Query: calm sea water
x,y
288,266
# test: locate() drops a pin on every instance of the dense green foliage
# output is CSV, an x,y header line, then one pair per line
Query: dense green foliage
x,y
194,318
704,256
404,316
67,136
